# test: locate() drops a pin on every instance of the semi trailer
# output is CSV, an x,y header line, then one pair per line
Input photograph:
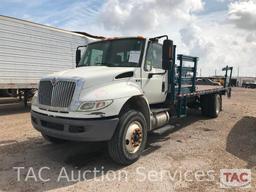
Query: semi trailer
x,y
29,51
121,89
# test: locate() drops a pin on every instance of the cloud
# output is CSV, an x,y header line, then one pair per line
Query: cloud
x,y
243,14
219,44
192,37
220,32
132,16
209,36
251,37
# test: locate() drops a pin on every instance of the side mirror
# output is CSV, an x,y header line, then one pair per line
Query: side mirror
x,y
167,55
78,56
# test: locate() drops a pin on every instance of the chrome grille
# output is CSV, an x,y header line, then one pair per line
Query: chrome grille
x,y
57,94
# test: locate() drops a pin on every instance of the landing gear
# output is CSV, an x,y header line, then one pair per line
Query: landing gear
x,y
25,100
25,95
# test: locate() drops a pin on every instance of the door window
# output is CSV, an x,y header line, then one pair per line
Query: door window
x,y
153,57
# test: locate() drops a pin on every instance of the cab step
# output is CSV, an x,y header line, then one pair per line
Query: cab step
x,y
163,130
159,110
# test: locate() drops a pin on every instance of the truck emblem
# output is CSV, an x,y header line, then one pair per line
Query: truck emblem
x,y
54,82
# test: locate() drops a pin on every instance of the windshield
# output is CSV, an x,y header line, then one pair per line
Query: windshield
x,y
114,53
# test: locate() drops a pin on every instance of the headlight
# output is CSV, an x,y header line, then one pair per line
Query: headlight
x,y
34,99
94,105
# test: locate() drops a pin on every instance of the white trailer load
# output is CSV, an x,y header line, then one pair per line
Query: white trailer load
x,y
29,51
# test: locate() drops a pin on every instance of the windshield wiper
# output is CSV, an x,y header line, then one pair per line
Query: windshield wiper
x,y
97,64
104,64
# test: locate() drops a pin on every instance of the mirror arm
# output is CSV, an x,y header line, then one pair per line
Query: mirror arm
x,y
150,75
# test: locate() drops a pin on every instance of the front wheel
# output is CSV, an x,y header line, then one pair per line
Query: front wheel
x,y
129,139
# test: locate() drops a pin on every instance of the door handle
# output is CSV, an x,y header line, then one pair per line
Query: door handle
x,y
163,86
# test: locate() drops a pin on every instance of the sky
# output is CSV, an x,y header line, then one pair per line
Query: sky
x,y
219,32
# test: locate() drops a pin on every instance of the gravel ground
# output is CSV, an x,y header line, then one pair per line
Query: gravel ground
x,y
196,146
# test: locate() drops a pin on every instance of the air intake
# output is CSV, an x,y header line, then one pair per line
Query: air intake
x,y
56,93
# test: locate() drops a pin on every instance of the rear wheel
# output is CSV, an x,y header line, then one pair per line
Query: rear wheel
x,y
211,105
129,139
53,139
204,105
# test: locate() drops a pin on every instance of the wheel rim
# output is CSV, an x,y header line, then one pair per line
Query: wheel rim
x,y
218,105
133,137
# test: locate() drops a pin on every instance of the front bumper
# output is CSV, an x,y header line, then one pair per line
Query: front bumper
x,y
101,129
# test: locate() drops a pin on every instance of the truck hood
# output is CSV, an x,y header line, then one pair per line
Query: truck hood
x,y
92,75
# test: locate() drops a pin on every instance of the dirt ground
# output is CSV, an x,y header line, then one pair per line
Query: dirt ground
x,y
169,163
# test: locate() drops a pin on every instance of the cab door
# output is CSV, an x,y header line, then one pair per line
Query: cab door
x,y
154,78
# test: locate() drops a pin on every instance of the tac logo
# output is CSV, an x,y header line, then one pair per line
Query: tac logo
x,y
240,178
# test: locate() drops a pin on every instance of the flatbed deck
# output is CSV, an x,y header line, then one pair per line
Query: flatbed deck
x,y
204,89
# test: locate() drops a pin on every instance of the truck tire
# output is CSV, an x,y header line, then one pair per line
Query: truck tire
x,y
211,105
215,105
204,105
129,139
53,140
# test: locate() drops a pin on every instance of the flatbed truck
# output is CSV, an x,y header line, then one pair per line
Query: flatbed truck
x,y
121,89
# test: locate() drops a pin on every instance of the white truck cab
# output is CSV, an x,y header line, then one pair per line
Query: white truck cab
x,y
110,96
